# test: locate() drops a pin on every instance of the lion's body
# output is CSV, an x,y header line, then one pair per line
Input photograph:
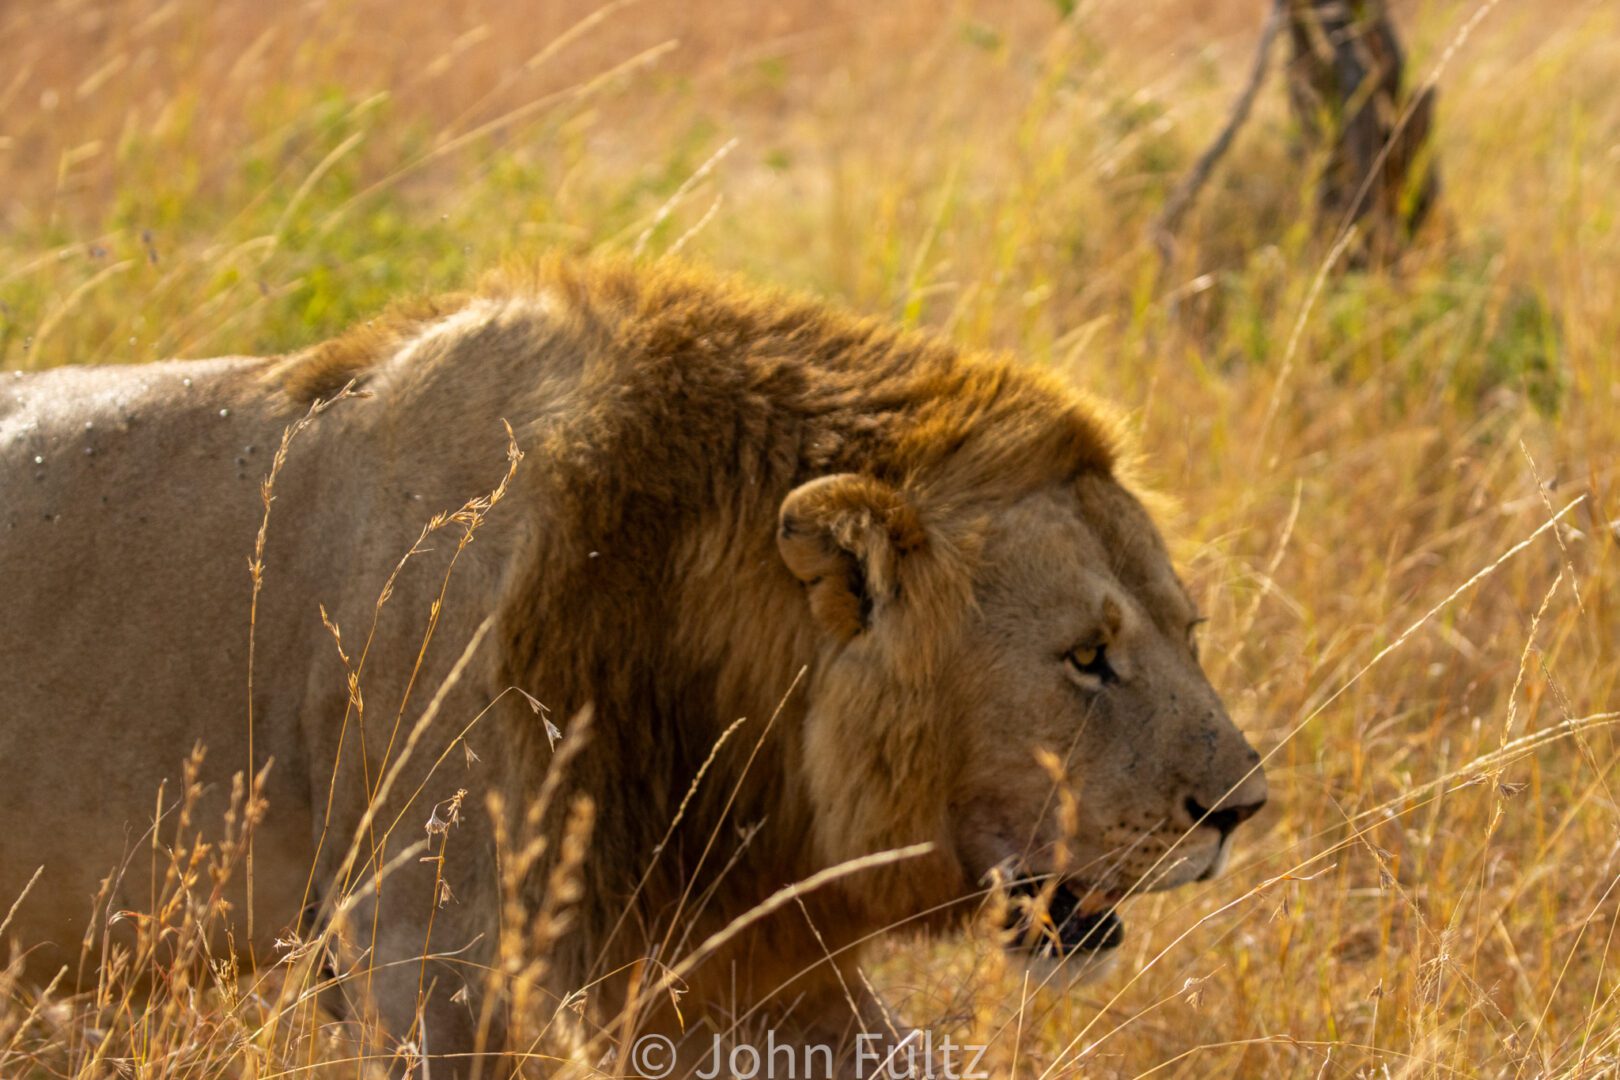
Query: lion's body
x,y
130,506
119,653
632,568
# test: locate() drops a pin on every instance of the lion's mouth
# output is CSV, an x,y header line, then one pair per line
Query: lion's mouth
x,y
1067,928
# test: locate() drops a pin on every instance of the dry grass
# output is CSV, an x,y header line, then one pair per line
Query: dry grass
x,y
1366,472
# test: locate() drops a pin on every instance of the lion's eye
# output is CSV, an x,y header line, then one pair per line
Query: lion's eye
x,y
1089,664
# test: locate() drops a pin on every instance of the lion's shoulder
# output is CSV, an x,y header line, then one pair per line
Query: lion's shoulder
x,y
323,369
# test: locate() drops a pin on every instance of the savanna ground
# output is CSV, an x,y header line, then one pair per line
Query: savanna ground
x,y
1365,470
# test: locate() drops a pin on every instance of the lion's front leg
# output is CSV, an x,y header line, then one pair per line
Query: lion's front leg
x,y
413,969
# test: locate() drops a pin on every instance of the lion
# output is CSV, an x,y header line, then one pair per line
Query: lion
x,y
918,574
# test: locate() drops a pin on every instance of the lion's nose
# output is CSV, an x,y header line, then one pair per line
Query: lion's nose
x,y
1228,817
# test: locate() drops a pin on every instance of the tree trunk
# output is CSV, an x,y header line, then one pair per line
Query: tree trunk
x,y
1345,84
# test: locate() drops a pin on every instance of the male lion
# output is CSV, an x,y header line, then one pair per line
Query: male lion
x,y
914,570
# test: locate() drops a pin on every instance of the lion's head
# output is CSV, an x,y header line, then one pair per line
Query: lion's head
x,y
1017,681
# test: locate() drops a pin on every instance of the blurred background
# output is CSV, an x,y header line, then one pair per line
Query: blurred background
x,y
1367,430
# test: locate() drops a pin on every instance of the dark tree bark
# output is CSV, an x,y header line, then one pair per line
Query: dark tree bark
x,y
1345,83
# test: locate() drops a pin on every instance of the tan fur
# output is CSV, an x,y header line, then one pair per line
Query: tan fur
x,y
724,486
324,369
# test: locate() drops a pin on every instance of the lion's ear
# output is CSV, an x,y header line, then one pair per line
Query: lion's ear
x,y
844,536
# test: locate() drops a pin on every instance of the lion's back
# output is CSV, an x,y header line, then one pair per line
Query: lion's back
x,y
128,507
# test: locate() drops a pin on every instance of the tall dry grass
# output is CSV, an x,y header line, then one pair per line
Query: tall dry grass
x,y
1367,463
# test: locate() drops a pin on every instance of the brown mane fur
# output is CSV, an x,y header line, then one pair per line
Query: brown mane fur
x,y
671,313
